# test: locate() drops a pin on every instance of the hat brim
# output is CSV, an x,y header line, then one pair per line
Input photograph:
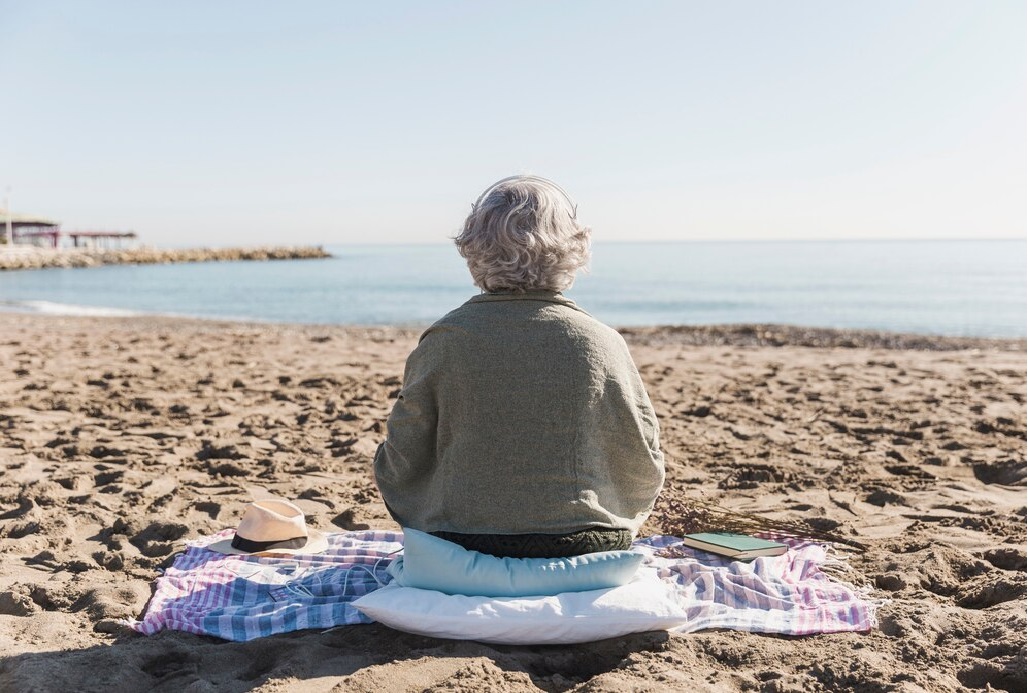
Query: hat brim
x,y
317,542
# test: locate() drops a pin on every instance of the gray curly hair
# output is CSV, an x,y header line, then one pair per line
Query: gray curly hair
x,y
522,235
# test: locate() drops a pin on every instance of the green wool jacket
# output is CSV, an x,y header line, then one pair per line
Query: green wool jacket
x,y
519,414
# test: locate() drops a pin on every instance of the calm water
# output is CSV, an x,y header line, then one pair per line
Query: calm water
x,y
938,287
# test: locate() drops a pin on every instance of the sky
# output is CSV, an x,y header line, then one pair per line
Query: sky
x,y
231,123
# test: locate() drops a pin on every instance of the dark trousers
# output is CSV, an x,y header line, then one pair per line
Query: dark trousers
x,y
542,545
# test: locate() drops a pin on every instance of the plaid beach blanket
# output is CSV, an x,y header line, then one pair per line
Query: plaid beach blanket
x,y
788,594
245,597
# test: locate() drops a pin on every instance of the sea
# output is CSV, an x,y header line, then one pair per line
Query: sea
x,y
954,288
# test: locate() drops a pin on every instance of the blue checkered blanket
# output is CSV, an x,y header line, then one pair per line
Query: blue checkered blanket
x,y
245,597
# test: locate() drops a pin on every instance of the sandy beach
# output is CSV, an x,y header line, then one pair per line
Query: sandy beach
x,y
122,438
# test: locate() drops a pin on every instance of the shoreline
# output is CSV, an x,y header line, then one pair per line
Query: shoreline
x,y
732,335
32,257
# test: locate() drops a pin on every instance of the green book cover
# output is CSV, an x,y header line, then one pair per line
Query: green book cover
x,y
734,545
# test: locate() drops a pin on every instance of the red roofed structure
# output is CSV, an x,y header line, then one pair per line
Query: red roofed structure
x,y
30,230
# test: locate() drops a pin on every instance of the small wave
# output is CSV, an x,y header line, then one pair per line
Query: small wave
x,y
51,308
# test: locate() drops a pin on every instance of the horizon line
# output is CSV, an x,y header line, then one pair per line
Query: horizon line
x,y
656,241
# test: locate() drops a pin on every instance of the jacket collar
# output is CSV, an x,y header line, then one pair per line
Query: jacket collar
x,y
545,296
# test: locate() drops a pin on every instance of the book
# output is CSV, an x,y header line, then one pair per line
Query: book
x,y
734,545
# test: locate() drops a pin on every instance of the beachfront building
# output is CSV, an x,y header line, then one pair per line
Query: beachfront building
x,y
46,233
21,229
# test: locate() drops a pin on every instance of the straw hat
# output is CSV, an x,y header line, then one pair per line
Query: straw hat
x,y
272,526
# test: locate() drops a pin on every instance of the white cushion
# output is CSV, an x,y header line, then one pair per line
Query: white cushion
x,y
646,603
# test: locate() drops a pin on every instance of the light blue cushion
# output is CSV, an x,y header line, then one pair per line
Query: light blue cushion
x,y
431,563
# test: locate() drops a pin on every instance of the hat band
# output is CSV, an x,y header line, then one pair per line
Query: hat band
x,y
250,546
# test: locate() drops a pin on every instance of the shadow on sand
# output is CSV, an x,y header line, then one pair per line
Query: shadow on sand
x,y
177,661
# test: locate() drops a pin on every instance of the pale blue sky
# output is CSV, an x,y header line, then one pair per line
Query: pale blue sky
x,y
236,122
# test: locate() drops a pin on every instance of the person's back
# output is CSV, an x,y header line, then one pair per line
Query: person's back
x,y
522,420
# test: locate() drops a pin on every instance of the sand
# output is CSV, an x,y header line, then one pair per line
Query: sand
x,y
121,438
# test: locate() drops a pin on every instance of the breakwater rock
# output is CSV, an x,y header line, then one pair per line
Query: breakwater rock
x,y
27,257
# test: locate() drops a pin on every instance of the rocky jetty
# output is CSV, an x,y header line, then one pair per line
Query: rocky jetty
x,y
26,257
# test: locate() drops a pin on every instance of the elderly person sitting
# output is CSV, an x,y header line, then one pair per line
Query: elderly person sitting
x,y
523,428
